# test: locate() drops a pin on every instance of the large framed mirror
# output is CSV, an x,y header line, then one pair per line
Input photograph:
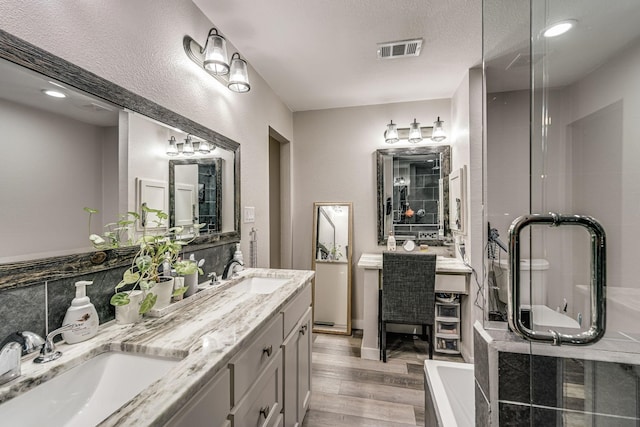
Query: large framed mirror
x,y
332,252
88,149
413,193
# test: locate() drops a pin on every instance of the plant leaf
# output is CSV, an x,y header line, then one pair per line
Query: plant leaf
x,y
90,210
179,291
129,277
120,298
147,303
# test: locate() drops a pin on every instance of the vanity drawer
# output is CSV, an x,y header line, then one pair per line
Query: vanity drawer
x,y
448,328
246,366
296,309
451,283
262,405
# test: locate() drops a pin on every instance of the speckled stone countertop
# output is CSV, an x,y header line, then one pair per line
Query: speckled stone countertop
x,y
204,335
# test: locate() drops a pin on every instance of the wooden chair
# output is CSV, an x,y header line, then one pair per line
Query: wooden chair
x,y
408,294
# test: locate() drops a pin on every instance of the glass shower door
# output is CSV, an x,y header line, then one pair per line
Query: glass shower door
x,y
563,137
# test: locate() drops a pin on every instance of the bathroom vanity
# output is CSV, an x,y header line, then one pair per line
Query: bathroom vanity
x,y
452,276
242,352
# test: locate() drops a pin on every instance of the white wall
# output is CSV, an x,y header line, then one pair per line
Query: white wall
x,y
334,161
39,180
467,150
138,45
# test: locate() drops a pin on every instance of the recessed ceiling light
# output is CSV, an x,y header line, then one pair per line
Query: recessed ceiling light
x,y
54,93
559,28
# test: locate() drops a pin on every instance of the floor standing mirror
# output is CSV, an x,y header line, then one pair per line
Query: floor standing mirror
x,y
332,248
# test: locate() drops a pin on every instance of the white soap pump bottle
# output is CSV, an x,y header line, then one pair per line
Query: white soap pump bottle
x,y
82,314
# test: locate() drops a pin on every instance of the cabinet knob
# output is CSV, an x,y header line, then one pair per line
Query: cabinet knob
x,y
303,329
268,350
265,411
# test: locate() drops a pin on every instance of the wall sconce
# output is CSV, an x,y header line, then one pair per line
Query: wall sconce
x,y
414,133
213,59
187,148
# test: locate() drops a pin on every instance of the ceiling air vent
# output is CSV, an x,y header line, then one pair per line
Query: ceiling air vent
x,y
399,49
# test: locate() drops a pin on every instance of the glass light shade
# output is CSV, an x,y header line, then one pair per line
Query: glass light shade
x,y
187,148
391,134
172,149
238,76
438,133
204,147
215,54
415,134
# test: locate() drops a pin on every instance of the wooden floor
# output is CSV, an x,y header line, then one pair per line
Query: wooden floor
x,y
349,391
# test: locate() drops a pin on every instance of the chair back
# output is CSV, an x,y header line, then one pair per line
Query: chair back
x,y
408,287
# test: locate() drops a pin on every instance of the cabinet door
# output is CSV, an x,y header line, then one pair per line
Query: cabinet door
x,y
209,407
304,365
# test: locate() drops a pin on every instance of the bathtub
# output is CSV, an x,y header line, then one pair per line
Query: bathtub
x,y
449,390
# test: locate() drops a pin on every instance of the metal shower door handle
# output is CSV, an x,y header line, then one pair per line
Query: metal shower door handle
x,y
597,282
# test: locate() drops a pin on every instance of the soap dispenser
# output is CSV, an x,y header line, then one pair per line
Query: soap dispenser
x,y
82,315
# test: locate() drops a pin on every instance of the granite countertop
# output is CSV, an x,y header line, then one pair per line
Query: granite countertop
x,y
204,335
444,265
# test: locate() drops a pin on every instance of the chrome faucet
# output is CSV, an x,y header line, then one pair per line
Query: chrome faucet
x,y
17,344
48,352
232,268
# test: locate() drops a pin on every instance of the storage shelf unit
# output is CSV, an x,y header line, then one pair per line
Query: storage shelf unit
x,y
447,327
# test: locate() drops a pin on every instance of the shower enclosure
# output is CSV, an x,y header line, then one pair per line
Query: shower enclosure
x,y
562,114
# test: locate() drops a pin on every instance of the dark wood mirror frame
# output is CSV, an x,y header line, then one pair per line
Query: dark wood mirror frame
x,y
24,54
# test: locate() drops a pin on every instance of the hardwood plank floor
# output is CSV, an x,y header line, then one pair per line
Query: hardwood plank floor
x,y
349,391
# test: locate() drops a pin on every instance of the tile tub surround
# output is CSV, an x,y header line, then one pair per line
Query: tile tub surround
x,y
564,385
26,308
205,335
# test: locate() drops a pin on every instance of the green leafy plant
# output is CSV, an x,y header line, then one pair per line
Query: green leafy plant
x,y
335,253
115,234
186,267
155,251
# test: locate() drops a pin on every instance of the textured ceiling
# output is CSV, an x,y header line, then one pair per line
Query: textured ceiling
x,y
322,53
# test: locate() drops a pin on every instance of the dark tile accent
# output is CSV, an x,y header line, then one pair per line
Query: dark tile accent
x,y
513,377
481,361
547,384
483,410
546,417
22,309
614,388
514,415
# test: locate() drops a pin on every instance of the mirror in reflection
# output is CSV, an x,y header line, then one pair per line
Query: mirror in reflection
x,y
195,193
332,250
413,193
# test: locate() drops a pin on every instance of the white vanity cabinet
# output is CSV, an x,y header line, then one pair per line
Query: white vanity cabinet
x,y
267,383
296,351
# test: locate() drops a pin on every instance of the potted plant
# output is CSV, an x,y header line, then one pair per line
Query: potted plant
x,y
144,282
188,269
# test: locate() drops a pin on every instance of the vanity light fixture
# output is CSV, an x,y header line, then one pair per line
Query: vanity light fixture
x,y
415,134
391,134
172,149
213,59
438,132
187,148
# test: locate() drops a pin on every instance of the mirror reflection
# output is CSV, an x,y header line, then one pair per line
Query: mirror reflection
x,y
413,193
332,242
65,150
195,194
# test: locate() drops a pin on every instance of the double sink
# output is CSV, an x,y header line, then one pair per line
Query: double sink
x,y
90,392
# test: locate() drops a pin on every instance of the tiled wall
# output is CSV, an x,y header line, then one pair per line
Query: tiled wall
x,y
41,306
423,196
515,389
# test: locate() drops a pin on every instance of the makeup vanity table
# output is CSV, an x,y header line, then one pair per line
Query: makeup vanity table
x,y
452,277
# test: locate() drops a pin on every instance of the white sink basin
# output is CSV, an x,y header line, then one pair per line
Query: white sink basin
x,y
259,285
87,394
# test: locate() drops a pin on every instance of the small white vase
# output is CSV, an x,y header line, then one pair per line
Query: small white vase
x,y
191,280
163,290
130,313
